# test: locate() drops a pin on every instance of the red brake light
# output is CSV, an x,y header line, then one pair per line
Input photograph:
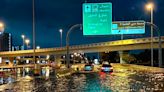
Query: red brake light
x,y
102,68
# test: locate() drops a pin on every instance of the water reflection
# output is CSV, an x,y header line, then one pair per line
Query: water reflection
x,y
81,83
5,80
133,81
123,81
147,82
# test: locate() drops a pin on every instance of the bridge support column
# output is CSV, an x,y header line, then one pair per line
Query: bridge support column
x,y
58,60
11,59
121,57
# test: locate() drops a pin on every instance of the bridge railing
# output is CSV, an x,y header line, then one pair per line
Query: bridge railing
x,y
120,42
110,43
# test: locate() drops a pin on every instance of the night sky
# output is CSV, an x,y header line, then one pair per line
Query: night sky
x,y
51,15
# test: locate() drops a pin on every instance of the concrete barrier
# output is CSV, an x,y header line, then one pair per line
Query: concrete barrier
x,y
133,67
64,72
80,67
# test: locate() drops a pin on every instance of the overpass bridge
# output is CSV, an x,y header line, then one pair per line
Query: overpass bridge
x,y
119,45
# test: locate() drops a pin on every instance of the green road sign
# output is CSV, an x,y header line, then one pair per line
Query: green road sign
x,y
128,27
97,18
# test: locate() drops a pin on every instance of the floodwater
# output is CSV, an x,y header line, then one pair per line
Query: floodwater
x,y
124,81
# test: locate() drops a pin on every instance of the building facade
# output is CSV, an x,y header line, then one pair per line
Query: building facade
x,y
5,42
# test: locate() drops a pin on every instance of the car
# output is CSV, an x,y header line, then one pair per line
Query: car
x,y
88,67
105,62
106,68
2,73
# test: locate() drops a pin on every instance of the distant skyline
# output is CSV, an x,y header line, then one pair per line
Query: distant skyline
x,y
52,15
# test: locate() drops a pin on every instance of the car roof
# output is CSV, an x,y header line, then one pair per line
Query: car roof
x,y
105,62
88,64
106,65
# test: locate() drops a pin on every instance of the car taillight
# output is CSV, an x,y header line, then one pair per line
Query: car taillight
x,y
102,68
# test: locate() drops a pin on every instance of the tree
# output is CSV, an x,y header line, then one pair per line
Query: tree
x,y
129,58
111,57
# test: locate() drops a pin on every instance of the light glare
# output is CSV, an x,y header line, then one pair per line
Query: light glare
x,y
149,6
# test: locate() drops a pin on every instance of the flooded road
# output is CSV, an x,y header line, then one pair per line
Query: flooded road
x,y
124,81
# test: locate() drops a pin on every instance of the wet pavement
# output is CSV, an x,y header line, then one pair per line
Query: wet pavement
x,y
122,81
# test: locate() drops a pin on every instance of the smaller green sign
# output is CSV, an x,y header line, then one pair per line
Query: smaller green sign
x,y
97,18
128,27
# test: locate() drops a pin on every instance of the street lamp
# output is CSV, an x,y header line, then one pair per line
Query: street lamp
x,y
23,37
150,7
2,26
61,31
37,47
27,41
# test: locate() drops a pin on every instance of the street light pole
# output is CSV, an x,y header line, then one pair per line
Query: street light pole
x,y
150,7
23,47
121,52
159,43
38,47
61,31
27,41
67,43
33,28
152,56
23,37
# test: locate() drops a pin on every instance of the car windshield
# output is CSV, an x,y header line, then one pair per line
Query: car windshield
x,y
87,65
106,65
